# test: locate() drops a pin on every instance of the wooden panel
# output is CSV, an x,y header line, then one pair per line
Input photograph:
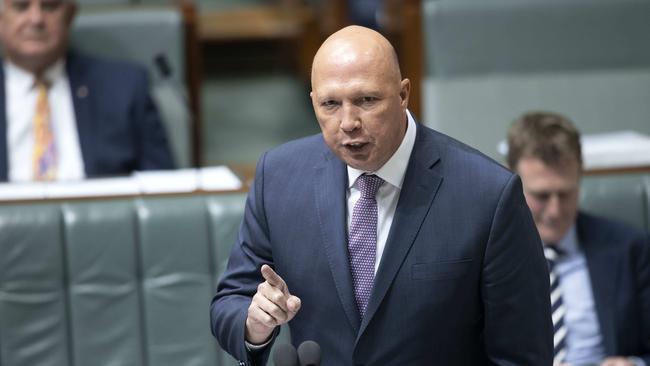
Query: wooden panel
x,y
194,76
403,26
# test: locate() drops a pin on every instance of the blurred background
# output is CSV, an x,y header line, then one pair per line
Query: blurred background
x,y
242,67
475,65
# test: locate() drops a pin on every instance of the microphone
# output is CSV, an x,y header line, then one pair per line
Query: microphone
x,y
285,355
162,65
309,353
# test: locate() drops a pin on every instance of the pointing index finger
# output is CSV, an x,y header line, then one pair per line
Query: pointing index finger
x,y
273,278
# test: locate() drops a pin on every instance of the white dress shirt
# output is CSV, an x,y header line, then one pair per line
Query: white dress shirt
x,y
393,174
20,104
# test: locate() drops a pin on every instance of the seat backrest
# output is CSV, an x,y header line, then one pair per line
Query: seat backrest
x,y
623,197
489,61
115,281
103,282
33,321
152,36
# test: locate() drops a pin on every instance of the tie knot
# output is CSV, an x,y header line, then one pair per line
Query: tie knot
x,y
368,185
552,254
40,82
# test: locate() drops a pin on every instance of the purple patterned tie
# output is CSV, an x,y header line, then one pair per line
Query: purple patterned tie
x,y
362,240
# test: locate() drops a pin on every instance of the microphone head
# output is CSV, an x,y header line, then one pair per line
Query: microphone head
x,y
309,353
162,64
285,355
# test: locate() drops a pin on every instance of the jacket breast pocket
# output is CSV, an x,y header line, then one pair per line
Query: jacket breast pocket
x,y
442,270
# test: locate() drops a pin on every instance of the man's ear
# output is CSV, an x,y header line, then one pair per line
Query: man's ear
x,y
405,92
71,11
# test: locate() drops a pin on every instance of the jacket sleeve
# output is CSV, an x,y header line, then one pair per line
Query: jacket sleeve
x,y
238,284
515,286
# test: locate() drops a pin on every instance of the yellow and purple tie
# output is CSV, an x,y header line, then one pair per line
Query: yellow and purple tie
x,y
44,157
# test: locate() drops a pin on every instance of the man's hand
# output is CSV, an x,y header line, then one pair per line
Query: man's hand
x,y
272,306
617,361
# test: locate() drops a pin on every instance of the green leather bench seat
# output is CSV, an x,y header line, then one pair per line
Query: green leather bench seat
x,y
113,282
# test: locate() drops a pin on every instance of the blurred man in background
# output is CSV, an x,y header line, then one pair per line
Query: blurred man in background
x,y
600,269
66,116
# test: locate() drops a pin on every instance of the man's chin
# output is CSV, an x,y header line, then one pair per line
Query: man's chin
x,y
360,165
34,58
36,52
551,237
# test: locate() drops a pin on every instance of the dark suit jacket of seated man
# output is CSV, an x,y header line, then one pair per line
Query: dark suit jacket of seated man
x,y
462,279
119,127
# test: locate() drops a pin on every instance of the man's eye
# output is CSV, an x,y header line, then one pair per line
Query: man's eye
x,y
542,196
20,5
51,5
329,104
366,101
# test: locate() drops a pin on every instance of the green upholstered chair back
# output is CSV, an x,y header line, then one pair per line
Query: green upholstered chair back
x,y
143,34
624,197
114,281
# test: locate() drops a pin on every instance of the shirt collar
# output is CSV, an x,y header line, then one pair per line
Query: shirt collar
x,y
394,169
23,81
569,243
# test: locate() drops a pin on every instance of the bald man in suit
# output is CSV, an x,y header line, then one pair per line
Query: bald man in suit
x,y
455,274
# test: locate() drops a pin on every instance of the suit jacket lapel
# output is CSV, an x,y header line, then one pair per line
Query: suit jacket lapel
x,y
603,282
330,193
80,90
418,191
4,151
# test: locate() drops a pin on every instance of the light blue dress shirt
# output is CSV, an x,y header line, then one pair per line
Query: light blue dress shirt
x,y
584,340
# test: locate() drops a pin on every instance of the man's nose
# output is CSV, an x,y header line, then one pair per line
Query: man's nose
x,y
349,118
554,205
35,12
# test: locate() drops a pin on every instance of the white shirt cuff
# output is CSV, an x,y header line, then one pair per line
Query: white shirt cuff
x,y
258,347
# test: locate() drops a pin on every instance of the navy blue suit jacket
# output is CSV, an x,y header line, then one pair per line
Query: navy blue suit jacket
x,y
618,260
462,279
119,127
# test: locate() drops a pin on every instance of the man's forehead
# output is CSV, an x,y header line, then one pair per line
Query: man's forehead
x,y
347,90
